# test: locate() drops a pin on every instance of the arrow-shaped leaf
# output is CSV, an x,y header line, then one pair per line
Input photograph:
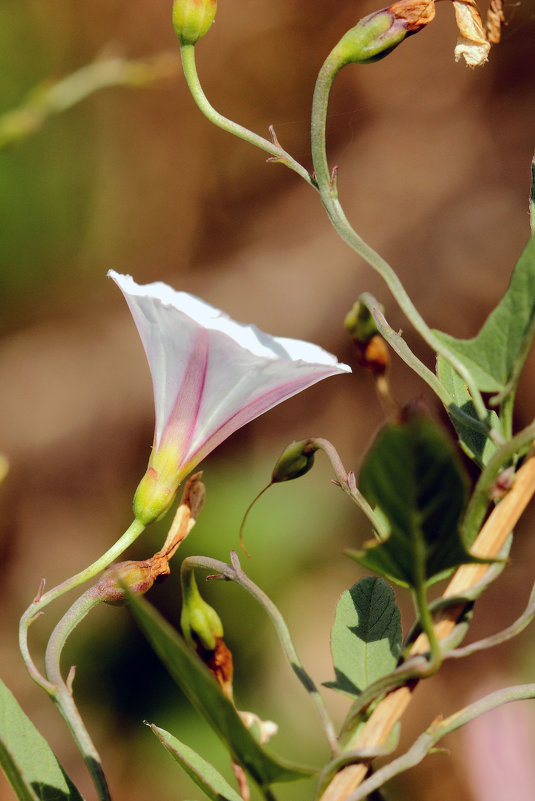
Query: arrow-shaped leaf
x,y
413,475
491,355
365,637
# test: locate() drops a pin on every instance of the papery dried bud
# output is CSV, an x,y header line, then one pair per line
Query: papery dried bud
x,y
374,355
503,483
192,19
262,730
296,460
495,20
472,44
137,577
414,14
218,660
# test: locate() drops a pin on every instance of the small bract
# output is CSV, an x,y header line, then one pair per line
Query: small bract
x,y
210,375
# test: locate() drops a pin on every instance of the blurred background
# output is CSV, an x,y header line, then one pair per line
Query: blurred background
x,y
434,166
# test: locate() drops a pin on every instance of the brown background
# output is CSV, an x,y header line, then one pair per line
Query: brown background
x,y
433,171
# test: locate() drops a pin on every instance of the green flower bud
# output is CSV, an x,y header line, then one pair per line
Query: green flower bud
x,y
199,622
376,35
296,460
192,19
360,323
372,38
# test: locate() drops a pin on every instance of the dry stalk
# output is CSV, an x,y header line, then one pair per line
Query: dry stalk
x,y
488,543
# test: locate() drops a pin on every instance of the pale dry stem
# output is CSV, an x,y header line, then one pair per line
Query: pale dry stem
x,y
488,543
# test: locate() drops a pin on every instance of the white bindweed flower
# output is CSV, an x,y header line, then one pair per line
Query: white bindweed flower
x,y
210,375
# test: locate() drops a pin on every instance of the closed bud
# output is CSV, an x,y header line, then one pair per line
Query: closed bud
x,y
372,38
296,460
192,19
376,35
136,577
359,323
200,623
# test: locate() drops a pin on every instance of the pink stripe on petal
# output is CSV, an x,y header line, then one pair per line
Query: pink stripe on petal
x,y
252,409
180,426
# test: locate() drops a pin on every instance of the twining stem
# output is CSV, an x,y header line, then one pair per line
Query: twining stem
x,y
61,692
326,182
399,346
435,732
347,482
502,636
235,573
479,500
43,599
187,52
488,543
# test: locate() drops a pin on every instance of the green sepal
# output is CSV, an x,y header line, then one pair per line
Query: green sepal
x,y
295,460
371,39
496,355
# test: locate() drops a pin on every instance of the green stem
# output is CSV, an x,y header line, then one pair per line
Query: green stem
x,y
268,793
399,346
426,623
502,636
43,599
235,573
328,191
49,99
347,482
61,692
187,52
479,502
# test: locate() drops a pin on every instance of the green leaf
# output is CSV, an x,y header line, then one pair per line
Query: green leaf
x,y
413,475
495,356
365,637
198,684
26,758
492,355
473,440
202,772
